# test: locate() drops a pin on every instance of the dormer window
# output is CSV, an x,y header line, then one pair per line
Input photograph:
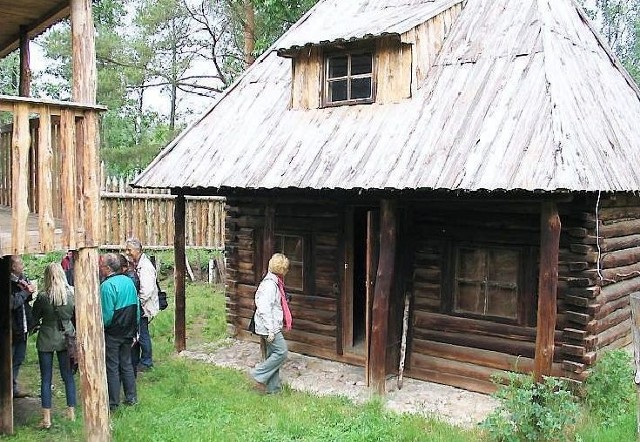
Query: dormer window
x,y
348,78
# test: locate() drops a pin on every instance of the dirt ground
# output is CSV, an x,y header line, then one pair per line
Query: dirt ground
x,y
453,405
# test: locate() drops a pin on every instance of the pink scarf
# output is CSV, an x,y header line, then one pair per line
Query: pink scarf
x,y
288,320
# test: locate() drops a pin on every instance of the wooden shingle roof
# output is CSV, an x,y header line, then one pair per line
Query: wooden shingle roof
x,y
523,95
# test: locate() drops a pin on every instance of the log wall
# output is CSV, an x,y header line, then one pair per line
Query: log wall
x,y
599,269
315,309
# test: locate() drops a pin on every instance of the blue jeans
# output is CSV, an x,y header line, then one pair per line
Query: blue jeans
x,y
141,352
45,358
119,370
268,371
19,348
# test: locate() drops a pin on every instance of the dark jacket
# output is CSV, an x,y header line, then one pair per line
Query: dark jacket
x,y
21,318
50,337
120,306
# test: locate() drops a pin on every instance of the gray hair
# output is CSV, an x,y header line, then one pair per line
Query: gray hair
x,y
134,243
112,261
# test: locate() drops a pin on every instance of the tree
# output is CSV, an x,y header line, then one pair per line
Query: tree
x,y
619,23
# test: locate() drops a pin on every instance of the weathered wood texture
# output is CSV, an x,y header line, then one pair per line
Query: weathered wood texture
x,y
90,330
547,289
55,188
179,282
598,270
426,41
314,309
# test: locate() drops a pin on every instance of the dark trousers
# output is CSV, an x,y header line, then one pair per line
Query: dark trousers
x,y
119,370
45,359
19,348
141,353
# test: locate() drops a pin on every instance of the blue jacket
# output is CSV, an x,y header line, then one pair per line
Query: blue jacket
x,y
120,306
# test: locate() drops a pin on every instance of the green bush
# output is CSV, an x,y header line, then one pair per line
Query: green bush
x,y
34,265
531,411
610,388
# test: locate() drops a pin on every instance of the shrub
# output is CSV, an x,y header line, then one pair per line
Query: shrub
x,y
610,388
531,411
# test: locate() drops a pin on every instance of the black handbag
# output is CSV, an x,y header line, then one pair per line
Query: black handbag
x,y
252,323
162,298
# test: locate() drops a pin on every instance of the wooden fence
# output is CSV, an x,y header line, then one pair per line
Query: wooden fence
x,y
147,214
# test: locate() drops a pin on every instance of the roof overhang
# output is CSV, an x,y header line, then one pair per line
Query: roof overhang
x,y
32,16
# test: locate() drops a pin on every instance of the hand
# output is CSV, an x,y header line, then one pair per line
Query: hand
x,y
271,337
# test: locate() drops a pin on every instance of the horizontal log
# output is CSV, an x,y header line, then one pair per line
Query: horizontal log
x,y
619,243
573,334
618,290
620,228
574,350
608,308
486,358
497,344
578,266
620,258
484,385
574,367
585,292
434,321
615,318
613,334
607,214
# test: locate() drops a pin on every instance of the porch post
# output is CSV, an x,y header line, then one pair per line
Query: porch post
x,y
179,250
382,296
6,373
547,289
24,88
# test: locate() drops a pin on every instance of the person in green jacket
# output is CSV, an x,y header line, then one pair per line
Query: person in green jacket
x,y
121,316
53,309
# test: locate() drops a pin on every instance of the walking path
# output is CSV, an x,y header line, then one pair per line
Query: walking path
x,y
324,377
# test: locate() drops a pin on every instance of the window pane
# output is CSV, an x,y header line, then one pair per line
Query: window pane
x,y
338,91
293,279
338,66
471,264
293,248
502,302
360,88
503,265
361,64
470,298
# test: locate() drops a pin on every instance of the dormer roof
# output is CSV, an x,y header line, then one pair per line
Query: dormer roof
x,y
337,21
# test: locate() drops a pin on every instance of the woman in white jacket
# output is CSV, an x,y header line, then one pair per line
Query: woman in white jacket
x,y
271,317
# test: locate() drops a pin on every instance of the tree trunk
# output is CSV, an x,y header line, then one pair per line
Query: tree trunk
x,y
249,33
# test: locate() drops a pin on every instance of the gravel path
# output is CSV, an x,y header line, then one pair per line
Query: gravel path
x,y
323,377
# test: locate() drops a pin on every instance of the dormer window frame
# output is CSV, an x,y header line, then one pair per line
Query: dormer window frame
x,y
349,77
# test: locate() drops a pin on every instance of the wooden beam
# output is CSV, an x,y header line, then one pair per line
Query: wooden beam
x,y
83,52
179,241
90,333
90,181
635,328
268,238
20,177
547,289
68,178
24,88
6,372
45,181
382,295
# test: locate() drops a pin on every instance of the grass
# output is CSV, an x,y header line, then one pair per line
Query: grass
x,y
185,400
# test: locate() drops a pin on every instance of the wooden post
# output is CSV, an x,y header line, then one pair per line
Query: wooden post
x,y
24,89
6,353
90,332
83,52
268,239
45,180
179,242
547,289
382,295
20,177
635,327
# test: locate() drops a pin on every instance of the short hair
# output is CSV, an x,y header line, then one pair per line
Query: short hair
x,y
135,243
112,261
279,264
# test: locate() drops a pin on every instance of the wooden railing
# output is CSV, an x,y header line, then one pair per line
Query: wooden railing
x,y
56,176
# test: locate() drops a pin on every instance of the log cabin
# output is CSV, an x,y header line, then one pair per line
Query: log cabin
x,y
473,159
49,191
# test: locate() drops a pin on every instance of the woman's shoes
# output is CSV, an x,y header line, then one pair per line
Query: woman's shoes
x,y
45,423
